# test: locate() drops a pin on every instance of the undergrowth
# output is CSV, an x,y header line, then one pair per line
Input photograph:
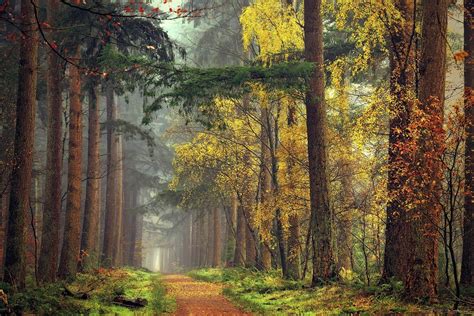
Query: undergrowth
x,y
102,286
267,293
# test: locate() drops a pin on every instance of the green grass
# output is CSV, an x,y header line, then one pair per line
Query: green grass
x,y
267,293
102,286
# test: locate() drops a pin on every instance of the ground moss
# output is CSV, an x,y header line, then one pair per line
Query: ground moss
x,y
102,285
267,293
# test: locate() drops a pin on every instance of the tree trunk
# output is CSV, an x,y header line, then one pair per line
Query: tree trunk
x,y
239,254
195,240
251,242
467,270
266,187
422,276
20,184
402,90
294,253
217,253
72,229
231,230
118,241
50,240
210,238
90,230
323,261
110,198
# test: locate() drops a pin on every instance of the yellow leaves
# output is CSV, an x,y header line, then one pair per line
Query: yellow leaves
x,y
274,28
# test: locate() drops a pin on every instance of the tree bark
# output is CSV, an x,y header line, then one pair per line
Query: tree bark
x,y
294,252
20,184
239,254
323,260
110,198
210,238
467,268
118,240
50,240
402,62
90,230
266,187
421,281
217,253
72,230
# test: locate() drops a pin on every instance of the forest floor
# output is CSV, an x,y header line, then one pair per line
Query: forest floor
x,y
268,294
198,298
96,292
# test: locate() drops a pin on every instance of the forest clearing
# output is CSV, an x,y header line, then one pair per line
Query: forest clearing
x,y
236,157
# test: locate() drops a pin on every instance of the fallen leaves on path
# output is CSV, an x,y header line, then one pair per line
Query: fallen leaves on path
x,y
198,298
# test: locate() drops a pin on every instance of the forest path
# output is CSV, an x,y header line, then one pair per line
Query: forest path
x,y
198,298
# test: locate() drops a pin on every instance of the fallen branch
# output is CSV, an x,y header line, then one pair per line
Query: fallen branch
x,y
80,295
123,301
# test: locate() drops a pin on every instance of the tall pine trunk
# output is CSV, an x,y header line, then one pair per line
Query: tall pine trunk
x,y
72,228
49,252
323,261
90,230
402,55
118,245
18,210
467,269
421,280
110,198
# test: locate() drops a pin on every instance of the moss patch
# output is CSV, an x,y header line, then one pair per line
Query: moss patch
x,y
102,286
268,293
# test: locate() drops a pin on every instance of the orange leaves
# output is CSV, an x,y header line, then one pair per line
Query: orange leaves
x,y
460,56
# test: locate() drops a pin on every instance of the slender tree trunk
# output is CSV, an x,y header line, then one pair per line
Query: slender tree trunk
x,y
118,241
138,245
110,198
49,252
217,253
422,276
195,240
72,229
231,229
266,183
90,230
467,270
402,63
210,238
323,260
240,247
294,253
251,242
344,220
20,184
186,251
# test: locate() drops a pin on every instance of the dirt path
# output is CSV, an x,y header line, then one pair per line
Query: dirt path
x,y
198,298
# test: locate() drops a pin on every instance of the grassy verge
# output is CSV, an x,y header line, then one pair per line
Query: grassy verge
x,y
102,286
267,293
